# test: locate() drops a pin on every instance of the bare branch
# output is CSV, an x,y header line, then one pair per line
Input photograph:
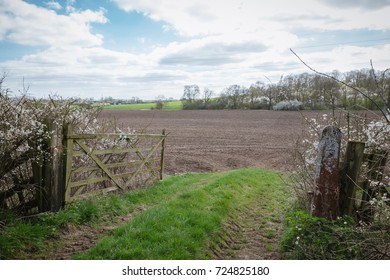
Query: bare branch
x,y
381,87
347,85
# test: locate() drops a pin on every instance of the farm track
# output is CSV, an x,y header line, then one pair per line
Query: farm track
x,y
209,141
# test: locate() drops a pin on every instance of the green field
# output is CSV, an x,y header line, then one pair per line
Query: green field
x,y
182,217
170,105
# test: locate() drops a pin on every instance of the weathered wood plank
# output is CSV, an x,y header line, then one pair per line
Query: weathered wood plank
x,y
349,176
113,136
376,164
110,165
98,162
120,151
68,157
145,162
137,173
96,192
111,151
88,181
147,157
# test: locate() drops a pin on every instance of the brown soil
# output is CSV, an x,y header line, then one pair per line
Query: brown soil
x,y
206,141
79,238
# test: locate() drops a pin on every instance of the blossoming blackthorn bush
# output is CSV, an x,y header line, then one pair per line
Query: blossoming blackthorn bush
x,y
23,134
316,238
288,105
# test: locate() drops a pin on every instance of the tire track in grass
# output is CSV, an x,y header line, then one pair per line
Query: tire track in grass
x,y
76,239
255,229
194,222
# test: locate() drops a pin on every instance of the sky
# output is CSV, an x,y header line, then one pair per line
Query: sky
x,y
148,48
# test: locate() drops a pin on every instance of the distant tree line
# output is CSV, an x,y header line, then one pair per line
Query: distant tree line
x,y
114,101
301,91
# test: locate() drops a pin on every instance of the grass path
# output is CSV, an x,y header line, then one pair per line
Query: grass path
x,y
229,215
235,214
255,230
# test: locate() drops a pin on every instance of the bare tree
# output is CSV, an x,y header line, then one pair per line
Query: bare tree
x,y
235,95
207,94
190,95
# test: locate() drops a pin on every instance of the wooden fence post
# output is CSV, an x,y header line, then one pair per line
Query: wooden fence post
x,y
47,174
162,155
326,194
41,172
376,165
349,176
57,186
67,143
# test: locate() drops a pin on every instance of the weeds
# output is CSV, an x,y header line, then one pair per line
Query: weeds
x,y
309,237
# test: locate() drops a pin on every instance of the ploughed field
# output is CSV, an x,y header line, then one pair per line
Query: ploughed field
x,y
206,140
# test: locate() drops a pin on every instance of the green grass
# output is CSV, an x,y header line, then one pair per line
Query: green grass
x,y
182,218
20,239
169,105
184,226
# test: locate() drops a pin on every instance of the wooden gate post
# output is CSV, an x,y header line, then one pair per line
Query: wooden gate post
x,y
41,172
48,174
326,194
57,187
162,154
67,143
349,176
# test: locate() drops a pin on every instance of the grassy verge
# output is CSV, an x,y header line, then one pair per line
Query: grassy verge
x,y
169,105
183,217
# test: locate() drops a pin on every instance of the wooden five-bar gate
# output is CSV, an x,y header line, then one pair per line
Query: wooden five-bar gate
x,y
85,164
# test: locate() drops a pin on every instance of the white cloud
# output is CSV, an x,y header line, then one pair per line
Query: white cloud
x,y
213,25
205,17
347,57
365,4
210,51
95,71
90,72
69,6
53,5
223,43
27,24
